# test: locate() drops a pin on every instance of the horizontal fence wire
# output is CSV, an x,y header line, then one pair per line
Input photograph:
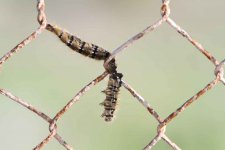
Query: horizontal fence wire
x,y
162,122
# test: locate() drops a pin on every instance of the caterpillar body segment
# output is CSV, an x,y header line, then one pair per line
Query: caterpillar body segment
x,y
75,43
111,92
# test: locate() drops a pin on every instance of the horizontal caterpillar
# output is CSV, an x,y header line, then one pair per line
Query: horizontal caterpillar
x,y
111,92
95,52
87,49
75,43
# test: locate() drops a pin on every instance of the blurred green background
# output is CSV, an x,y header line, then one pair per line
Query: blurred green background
x,y
163,67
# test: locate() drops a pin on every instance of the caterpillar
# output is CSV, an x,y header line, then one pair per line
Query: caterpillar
x,y
111,92
87,49
75,43
95,52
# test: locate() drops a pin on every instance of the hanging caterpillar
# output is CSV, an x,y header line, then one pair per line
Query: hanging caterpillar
x,y
95,52
111,92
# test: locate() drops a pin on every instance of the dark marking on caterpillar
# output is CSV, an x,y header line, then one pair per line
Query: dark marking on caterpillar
x,y
81,47
70,41
95,52
60,35
112,91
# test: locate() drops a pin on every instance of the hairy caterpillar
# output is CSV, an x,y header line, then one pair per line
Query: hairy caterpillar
x,y
87,49
95,52
111,92
75,43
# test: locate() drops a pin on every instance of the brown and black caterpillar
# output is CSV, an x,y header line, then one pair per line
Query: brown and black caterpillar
x,y
111,92
76,44
95,52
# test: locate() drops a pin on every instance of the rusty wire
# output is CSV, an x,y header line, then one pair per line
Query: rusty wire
x,y
162,123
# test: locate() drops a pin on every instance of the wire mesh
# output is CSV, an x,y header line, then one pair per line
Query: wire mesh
x,y
162,122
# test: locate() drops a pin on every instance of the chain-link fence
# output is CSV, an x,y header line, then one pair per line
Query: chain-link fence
x,y
162,122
